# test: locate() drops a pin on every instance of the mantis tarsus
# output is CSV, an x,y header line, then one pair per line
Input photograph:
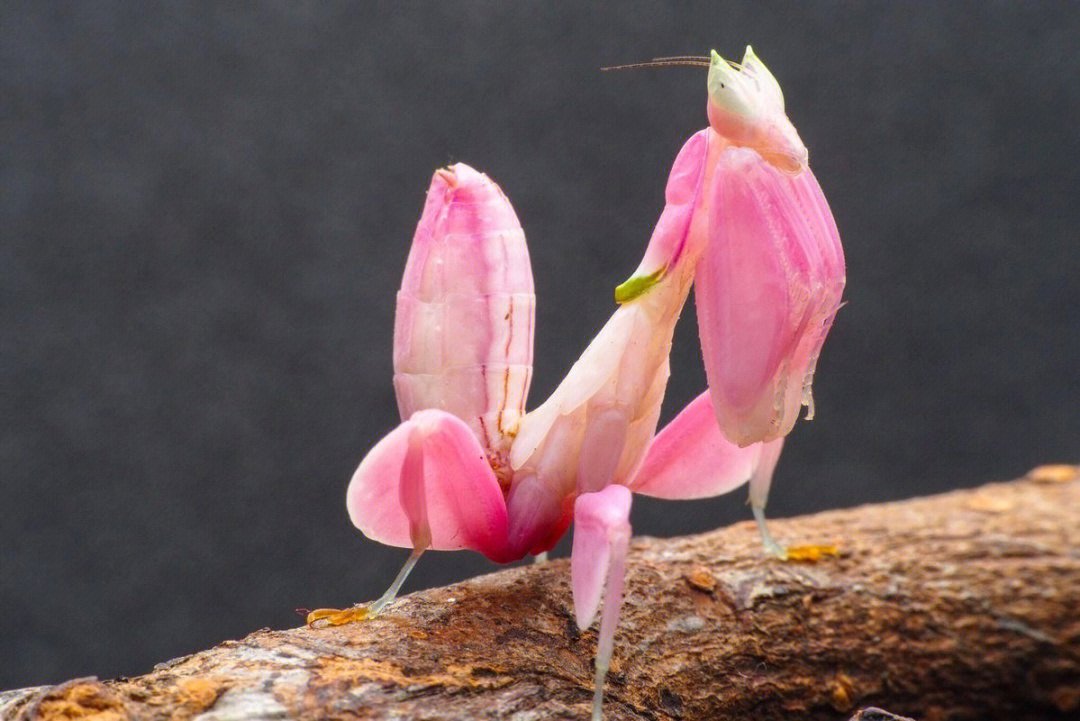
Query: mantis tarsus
x,y
745,222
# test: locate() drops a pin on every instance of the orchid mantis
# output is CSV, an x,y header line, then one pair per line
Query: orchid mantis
x,y
745,222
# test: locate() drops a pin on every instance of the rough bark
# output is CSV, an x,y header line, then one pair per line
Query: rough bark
x,y
964,605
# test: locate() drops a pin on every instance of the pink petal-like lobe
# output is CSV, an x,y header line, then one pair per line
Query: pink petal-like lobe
x,y
766,290
428,483
691,457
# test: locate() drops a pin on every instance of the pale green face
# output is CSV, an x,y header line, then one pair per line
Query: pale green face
x,y
747,90
746,107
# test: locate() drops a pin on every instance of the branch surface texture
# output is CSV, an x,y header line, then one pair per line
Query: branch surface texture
x,y
959,606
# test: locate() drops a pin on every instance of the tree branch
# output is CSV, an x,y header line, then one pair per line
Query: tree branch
x,y
954,606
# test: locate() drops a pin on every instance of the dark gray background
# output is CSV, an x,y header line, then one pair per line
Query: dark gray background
x,y
206,210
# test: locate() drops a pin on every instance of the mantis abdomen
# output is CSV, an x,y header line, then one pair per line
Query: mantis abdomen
x,y
463,334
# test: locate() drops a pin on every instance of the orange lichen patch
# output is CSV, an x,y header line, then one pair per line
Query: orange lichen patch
x,y
700,579
455,676
197,694
1058,473
80,699
812,553
336,616
477,671
988,502
842,693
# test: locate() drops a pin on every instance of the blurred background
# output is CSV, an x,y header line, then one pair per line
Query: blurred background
x,y
205,212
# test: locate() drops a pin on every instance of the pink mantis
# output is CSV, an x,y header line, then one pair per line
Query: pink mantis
x,y
745,222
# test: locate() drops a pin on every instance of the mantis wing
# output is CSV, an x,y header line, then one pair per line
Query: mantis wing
x,y
766,289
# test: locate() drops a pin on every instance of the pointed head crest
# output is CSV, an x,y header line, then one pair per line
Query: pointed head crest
x,y
746,107
746,88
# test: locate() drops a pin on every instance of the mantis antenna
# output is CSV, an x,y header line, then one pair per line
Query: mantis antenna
x,y
696,61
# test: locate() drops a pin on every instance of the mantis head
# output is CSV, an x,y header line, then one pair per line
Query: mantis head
x,y
746,107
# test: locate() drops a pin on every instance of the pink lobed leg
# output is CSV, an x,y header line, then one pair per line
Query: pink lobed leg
x,y
426,484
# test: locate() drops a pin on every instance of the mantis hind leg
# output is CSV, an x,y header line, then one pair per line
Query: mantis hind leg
x,y
810,552
759,495
338,617
772,546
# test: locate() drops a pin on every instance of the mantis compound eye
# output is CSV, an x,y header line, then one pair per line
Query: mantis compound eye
x,y
733,92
